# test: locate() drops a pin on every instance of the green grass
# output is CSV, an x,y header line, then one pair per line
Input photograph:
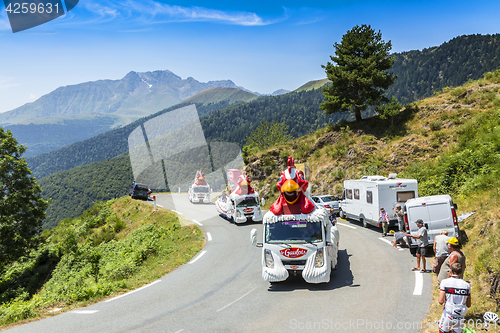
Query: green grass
x,y
113,247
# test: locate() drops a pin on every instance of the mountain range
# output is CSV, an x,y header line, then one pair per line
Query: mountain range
x,y
77,112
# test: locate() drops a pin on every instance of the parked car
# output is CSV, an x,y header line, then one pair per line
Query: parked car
x,y
140,191
327,201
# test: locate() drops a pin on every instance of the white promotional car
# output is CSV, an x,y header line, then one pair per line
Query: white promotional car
x,y
240,208
298,245
327,202
199,193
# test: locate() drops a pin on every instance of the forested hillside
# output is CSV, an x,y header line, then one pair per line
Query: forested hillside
x,y
231,124
451,64
102,147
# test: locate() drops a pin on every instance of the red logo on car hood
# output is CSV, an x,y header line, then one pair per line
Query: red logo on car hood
x,y
248,210
293,252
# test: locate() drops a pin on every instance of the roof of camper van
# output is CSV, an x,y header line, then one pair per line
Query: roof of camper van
x,y
377,178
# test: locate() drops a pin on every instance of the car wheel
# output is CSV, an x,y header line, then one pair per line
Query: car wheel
x,y
365,224
341,214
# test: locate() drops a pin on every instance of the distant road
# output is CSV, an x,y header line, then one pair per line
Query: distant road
x,y
221,289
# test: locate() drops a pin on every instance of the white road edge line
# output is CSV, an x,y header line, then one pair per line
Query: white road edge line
x,y
197,257
237,299
133,291
209,237
159,205
177,212
385,240
419,283
198,223
347,225
179,331
390,243
84,311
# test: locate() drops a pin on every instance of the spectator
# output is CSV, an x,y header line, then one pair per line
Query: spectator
x,y
332,216
400,215
441,251
455,296
399,238
384,219
422,243
455,256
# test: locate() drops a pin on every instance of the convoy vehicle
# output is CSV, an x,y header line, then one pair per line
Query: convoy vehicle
x,y
363,198
242,204
140,191
438,213
293,245
327,201
298,237
199,191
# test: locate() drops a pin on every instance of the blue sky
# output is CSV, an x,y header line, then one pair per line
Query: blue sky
x,y
260,45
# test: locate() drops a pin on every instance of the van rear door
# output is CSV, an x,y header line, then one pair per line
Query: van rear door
x,y
441,219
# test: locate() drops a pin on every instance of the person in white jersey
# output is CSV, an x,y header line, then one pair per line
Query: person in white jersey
x,y
455,296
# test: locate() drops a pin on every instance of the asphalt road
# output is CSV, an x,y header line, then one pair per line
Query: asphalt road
x,y
221,289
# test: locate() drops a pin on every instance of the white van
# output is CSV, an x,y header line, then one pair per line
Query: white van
x,y
437,211
364,197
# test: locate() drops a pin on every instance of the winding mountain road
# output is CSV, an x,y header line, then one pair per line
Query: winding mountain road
x,y
221,289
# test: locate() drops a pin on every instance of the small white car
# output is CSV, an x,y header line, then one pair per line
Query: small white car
x,y
327,202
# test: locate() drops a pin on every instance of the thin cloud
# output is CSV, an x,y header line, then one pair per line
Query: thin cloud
x,y
152,12
6,83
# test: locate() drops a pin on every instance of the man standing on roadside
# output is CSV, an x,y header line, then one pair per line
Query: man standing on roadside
x,y
455,298
455,256
422,243
441,251
400,215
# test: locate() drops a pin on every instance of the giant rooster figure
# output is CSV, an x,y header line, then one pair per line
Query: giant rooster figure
x,y
292,187
243,185
199,179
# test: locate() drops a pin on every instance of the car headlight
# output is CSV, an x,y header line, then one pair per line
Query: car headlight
x,y
268,257
238,213
319,260
258,211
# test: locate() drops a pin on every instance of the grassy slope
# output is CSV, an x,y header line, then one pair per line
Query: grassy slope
x,y
113,247
312,85
450,143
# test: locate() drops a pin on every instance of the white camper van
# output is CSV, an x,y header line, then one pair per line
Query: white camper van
x,y
438,213
364,197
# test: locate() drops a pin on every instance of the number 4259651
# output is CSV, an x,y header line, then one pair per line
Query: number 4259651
x,y
25,8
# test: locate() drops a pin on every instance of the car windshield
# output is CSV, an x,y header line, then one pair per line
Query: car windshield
x,y
329,198
248,201
293,232
197,189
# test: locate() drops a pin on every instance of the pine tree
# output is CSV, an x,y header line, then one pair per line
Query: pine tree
x,y
358,72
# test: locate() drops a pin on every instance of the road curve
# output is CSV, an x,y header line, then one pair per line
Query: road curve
x,y
221,289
